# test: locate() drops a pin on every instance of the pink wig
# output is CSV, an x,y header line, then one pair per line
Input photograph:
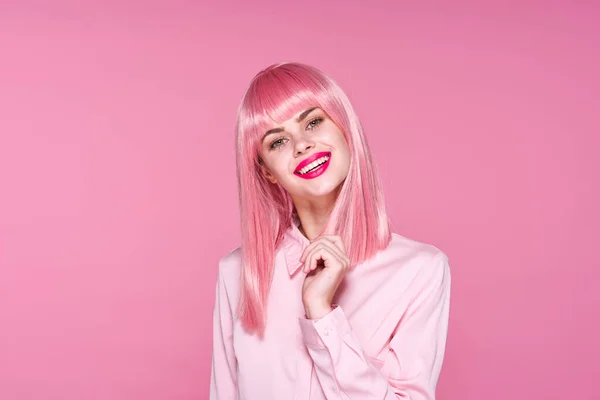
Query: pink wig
x,y
266,209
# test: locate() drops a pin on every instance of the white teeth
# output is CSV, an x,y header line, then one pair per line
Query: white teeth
x,y
313,164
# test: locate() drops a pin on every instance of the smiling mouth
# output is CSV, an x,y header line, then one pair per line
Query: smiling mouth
x,y
314,165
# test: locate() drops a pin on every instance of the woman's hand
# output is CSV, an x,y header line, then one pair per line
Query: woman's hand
x,y
325,263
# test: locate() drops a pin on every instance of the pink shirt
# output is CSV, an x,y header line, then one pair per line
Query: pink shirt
x,y
384,340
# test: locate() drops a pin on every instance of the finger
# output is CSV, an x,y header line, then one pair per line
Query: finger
x,y
306,251
305,259
333,248
337,240
312,245
310,262
344,259
309,248
321,252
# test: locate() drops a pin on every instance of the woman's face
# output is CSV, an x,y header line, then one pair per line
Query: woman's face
x,y
307,155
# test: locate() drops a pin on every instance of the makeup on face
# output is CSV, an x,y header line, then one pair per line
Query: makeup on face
x,y
313,166
298,119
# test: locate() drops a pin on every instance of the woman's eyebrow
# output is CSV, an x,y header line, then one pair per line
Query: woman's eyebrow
x,y
300,118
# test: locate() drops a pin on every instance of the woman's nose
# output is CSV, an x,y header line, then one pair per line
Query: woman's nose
x,y
303,144
303,147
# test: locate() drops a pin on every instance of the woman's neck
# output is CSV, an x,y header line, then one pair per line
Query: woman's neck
x,y
312,223
314,213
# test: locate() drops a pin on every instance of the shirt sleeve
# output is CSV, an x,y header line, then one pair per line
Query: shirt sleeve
x,y
412,366
223,384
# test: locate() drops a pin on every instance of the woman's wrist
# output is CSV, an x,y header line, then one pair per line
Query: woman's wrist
x,y
318,311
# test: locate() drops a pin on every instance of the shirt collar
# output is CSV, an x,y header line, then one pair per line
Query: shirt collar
x,y
293,246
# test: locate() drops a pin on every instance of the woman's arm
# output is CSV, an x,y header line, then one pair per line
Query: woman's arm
x,y
413,364
223,384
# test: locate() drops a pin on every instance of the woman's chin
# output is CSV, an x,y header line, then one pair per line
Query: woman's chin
x,y
325,190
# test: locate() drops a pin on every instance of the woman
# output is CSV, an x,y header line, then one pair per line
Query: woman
x,y
321,301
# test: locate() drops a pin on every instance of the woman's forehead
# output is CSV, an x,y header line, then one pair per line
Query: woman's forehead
x,y
271,110
295,115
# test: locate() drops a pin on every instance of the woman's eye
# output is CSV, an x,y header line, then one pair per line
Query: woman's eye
x,y
311,125
277,143
314,122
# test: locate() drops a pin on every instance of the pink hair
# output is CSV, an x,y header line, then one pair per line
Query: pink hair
x,y
266,210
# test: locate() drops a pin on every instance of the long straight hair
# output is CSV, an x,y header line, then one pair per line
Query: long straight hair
x,y
266,209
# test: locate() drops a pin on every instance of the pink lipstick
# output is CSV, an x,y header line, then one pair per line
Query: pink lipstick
x,y
313,166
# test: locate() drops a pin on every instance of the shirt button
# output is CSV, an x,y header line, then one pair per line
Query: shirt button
x,y
327,331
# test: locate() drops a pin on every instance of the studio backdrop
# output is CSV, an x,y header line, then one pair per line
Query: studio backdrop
x,y
118,191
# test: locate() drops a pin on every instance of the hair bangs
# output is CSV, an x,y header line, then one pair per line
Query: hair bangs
x,y
277,95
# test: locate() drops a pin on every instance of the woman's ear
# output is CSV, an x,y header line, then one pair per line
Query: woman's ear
x,y
265,171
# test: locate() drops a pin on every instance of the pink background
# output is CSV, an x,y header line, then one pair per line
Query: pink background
x,y
118,192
